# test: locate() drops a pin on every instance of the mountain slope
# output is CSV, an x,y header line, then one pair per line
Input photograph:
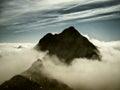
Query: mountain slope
x,y
19,82
33,79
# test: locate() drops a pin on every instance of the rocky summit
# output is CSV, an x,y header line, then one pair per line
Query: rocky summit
x,y
67,45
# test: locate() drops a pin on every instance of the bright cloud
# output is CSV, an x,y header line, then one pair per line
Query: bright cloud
x,y
16,58
81,74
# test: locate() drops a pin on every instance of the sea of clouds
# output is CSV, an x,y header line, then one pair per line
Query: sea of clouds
x,y
82,74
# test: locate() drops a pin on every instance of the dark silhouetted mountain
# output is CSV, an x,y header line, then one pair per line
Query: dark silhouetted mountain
x,y
68,45
19,83
33,79
22,83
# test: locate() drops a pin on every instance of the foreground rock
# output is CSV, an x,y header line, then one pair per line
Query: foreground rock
x,y
22,83
68,45
19,82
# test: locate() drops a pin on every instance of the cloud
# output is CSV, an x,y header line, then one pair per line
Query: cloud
x,y
40,13
87,74
81,74
16,58
90,13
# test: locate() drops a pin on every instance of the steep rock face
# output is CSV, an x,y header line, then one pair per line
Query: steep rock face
x,y
68,45
33,79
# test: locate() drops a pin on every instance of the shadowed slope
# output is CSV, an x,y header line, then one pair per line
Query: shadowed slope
x,y
33,79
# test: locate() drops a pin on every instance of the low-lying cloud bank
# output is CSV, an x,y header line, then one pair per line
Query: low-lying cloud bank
x,y
82,74
86,74
16,58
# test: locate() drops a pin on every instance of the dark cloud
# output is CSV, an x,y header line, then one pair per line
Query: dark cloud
x,y
96,5
2,5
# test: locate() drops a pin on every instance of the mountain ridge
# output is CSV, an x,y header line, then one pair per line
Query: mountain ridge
x,y
33,79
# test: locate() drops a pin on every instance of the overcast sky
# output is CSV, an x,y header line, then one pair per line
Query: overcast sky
x,y
29,20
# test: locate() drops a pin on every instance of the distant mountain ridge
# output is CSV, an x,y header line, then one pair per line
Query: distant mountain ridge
x,y
67,45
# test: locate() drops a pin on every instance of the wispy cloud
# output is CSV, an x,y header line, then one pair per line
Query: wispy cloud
x,y
91,13
41,13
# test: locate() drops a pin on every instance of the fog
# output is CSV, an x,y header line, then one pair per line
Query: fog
x,y
16,58
82,74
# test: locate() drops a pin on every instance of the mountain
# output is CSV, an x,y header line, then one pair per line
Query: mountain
x,y
33,79
67,45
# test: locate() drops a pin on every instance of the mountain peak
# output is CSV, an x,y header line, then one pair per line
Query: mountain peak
x,y
71,27
67,45
70,31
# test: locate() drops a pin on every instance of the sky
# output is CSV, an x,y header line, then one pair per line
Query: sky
x,y
30,20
